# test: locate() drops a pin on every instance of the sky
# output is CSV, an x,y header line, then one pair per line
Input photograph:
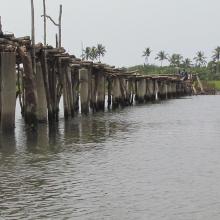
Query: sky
x,y
124,27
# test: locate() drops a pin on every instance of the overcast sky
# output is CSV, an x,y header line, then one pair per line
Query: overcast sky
x,y
125,27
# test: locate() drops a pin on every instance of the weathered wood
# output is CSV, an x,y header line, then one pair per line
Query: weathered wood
x,y
100,103
1,32
44,66
7,91
30,88
75,89
116,93
109,92
60,26
84,90
156,89
141,90
41,95
45,22
33,53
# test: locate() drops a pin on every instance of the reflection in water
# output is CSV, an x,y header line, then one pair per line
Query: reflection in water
x,y
147,162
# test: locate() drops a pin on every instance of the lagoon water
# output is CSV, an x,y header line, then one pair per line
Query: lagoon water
x,y
157,162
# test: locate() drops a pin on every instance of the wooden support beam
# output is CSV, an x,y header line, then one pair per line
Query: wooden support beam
x,y
84,90
41,95
7,91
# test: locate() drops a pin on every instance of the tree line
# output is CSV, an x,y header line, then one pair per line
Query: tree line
x,y
177,60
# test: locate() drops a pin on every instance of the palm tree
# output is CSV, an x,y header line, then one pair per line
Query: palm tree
x,y
200,59
161,56
87,52
146,54
100,51
216,58
93,53
187,63
216,54
175,60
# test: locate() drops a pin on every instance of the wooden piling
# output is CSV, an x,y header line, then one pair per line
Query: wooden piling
x,y
149,90
100,102
109,80
84,90
116,93
7,91
141,90
30,88
75,89
156,89
41,95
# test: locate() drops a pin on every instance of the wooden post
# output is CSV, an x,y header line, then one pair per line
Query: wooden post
x,y
116,93
33,38
44,66
109,92
156,89
41,95
60,25
93,90
67,92
1,32
45,22
141,90
75,89
130,88
30,88
100,92
7,91
84,90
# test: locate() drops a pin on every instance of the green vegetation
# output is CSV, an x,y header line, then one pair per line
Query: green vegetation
x,y
208,71
94,53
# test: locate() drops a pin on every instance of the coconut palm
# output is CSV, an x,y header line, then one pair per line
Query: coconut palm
x,y
216,54
161,56
187,63
93,55
146,54
100,51
175,59
87,52
200,59
216,58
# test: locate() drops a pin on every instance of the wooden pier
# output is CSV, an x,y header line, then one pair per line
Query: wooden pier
x,y
39,83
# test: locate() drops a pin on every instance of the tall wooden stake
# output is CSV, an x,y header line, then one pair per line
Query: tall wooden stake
x,y
1,32
60,25
33,36
45,23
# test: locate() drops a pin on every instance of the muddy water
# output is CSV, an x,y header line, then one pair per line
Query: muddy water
x,y
159,161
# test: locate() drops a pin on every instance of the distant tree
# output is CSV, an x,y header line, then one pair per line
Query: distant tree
x,y
175,60
216,54
100,51
86,53
187,63
216,58
161,56
146,54
93,55
200,59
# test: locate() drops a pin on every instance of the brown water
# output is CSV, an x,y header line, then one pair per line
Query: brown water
x,y
159,161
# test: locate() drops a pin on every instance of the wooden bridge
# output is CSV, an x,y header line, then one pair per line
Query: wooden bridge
x,y
39,80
